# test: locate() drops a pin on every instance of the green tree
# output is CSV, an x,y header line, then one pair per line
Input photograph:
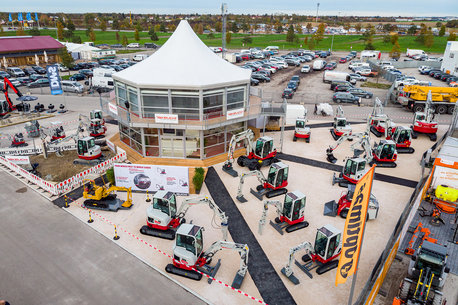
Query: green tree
x,y
245,27
76,39
358,27
386,39
92,35
70,26
452,36
125,41
136,35
88,31
387,27
115,25
438,24
290,35
32,32
228,37
103,25
429,39
412,30
247,40
211,36
66,58
442,31
279,28
162,28
311,43
234,28
421,37
394,38
152,34
60,30
396,50
2,32
218,27
118,38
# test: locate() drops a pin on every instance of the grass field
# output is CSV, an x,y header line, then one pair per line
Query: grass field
x,y
341,42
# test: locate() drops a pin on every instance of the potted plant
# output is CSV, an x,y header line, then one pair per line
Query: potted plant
x,y
198,179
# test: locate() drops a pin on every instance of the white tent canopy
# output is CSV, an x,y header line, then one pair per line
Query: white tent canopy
x,y
184,62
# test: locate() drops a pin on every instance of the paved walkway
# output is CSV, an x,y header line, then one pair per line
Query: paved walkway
x,y
50,257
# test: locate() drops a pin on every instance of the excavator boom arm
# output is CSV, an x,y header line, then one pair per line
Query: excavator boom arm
x,y
256,173
246,135
242,249
307,246
6,85
262,221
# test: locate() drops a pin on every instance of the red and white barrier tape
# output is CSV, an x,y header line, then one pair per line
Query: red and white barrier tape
x,y
164,253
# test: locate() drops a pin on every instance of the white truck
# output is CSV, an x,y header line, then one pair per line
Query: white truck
x,y
331,76
413,52
319,64
369,54
139,57
102,78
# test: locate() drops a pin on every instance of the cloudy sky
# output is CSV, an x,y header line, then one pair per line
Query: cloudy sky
x,y
327,7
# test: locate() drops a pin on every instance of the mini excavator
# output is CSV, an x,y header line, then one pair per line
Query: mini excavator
x,y
423,121
262,152
340,126
164,217
7,106
322,256
301,131
290,214
379,121
274,185
102,198
190,261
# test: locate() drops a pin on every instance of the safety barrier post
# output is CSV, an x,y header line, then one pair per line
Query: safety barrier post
x,y
147,197
116,237
66,203
90,218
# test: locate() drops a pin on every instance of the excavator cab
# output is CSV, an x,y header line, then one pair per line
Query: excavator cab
x,y
300,123
188,246
403,138
264,147
4,108
354,169
97,114
327,244
294,206
87,149
278,176
385,151
301,130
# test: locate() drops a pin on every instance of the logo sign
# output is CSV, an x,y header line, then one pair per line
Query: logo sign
x,y
54,79
113,108
23,160
354,228
236,113
165,118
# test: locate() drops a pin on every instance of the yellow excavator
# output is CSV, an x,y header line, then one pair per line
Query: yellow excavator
x,y
102,198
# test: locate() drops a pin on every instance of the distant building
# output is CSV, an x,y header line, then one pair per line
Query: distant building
x,y
450,60
21,50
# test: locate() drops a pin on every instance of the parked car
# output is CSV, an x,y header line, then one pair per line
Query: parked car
x,y
39,69
358,77
4,74
360,92
35,77
15,72
28,71
72,86
293,62
260,77
334,84
445,77
288,93
42,82
24,80
14,81
345,97
367,72
331,65
296,78
77,77
86,72
342,88
62,68
133,45
305,69
343,60
292,85
254,82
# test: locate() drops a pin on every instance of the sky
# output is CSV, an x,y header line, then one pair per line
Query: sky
x,y
304,7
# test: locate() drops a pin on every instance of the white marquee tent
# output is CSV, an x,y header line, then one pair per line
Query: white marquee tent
x,y
183,62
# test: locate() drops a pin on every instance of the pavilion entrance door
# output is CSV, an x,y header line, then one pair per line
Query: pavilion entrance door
x,y
172,146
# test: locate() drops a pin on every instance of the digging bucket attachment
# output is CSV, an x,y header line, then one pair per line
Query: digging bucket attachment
x,y
330,208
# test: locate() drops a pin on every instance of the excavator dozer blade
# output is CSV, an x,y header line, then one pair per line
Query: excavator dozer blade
x,y
385,164
377,133
297,226
190,274
333,134
274,193
238,280
127,204
292,278
165,234
241,199
330,157
230,170
305,268
330,208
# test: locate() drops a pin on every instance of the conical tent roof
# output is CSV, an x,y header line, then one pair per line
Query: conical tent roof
x,y
183,62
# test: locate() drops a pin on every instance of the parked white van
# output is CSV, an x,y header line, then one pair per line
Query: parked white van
x,y
413,52
133,45
139,57
319,64
102,78
274,49
331,76
72,86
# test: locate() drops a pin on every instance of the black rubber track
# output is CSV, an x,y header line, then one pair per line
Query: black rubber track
x,y
266,279
338,168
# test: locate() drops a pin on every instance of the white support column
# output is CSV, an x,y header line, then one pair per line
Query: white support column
x,y
170,100
201,136
142,133
140,104
225,101
201,105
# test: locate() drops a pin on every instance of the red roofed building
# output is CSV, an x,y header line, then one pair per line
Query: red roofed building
x,y
21,50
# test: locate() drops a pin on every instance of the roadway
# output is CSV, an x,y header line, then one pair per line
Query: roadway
x,y
50,257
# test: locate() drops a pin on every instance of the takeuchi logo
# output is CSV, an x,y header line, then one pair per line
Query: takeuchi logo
x,y
353,232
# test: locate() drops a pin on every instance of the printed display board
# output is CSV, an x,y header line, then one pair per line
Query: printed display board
x,y
22,160
113,108
234,114
54,79
445,176
144,177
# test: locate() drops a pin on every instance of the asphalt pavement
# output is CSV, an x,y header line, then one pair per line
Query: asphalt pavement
x,y
49,257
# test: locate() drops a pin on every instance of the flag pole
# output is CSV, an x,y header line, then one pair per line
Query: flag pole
x,y
353,280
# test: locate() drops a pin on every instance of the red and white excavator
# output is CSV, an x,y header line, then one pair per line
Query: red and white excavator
x,y
261,152
95,127
423,121
290,214
340,125
274,185
163,217
380,121
301,131
400,135
191,261
321,256
7,106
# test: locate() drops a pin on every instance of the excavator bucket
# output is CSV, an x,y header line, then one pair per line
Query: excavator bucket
x,y
291,277
241,199
330,208
228,168
238,280
330,157
127,204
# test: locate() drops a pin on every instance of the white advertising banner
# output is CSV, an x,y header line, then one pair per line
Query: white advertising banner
x,y
113,108
236,113
20,160
111,146
165,118
144,177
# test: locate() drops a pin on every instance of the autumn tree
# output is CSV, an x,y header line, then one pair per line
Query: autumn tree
x,y
200,29
118,38
394,38
67,59
162,28
2,32
218,27
319,35
76,39
115,25
71,26
306,40
136,35
157,28
92,35
125,41
246,40
290,35
309,27
396,50
60,30
103,25
429,38
228,37
452,36
442,31
412,30
311,43
358,27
